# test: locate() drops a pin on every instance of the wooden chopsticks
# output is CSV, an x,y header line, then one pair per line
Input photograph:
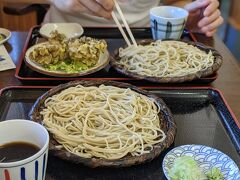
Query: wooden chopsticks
x,y
125,24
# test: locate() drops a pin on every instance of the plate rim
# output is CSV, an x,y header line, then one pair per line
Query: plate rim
x,y
7,36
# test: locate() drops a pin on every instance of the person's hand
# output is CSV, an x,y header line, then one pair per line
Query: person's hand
x,y
102,8
204,16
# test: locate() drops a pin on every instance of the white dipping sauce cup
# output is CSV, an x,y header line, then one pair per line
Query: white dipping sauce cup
x,y
167,22
34,167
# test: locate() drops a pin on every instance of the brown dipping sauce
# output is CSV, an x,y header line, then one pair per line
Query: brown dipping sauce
x,y
16,151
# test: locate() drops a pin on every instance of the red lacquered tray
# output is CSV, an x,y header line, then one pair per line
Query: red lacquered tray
x,y
114,40
201,113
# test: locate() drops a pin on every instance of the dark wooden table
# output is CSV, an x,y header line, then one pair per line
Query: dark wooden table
x,y
228,81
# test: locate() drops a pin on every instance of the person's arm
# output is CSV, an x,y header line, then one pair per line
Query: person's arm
x,y
101,8
178,3
27,1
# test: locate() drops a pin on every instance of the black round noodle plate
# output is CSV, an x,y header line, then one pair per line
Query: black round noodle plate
x,y
167,125
190,77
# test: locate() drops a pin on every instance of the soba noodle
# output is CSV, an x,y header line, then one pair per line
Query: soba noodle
x,y
105,122
165,59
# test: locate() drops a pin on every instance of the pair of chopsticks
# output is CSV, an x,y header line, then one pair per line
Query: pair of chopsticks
x,y
125,24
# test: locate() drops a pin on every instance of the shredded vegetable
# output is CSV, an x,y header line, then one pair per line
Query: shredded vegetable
x,y
68,66
214,174
186,168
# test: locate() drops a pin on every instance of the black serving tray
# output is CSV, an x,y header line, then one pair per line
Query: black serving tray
x,y
202,116
114,40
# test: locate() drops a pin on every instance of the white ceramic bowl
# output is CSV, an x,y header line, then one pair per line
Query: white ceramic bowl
x,y
206,158
19,130
6,33
71,30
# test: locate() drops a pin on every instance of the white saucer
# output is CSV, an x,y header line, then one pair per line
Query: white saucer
x,y
206,157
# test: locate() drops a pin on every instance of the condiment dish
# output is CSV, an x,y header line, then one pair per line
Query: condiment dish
x,y
206,158
71,30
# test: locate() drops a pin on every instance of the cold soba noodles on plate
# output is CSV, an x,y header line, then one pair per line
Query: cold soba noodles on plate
x,y
165,59
105,122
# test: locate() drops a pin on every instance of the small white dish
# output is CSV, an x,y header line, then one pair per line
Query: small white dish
x,y
71,30
102,62
6,33
206,158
